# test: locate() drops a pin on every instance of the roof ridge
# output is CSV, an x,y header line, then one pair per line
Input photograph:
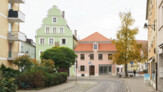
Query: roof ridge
x,y
96,36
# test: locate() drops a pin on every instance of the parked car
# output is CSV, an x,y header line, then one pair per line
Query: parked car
x,y
122,74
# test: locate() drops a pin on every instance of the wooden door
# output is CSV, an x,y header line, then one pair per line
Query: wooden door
x,y
91,70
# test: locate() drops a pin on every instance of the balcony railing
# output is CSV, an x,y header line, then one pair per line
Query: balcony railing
x,y
16,36
15,16
13,55
16,1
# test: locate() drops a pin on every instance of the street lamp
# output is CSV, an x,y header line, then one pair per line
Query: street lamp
x,y
151,26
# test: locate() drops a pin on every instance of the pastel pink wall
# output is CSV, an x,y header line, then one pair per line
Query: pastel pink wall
x,y
96,62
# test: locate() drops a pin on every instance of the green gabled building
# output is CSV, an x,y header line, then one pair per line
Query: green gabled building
x,y
54,31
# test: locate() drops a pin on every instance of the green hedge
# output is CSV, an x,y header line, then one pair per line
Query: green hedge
x,y
8,85
8,82
39,78
31,78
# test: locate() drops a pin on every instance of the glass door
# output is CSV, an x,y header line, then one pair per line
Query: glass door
x,y
105,69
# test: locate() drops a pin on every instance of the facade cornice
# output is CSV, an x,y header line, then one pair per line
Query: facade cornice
x,y
53,25
95,41
52,35
83,51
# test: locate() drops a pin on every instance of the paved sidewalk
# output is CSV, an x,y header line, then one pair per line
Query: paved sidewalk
x,y
136,84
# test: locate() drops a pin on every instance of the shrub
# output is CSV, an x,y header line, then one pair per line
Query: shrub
x,y
47,63
8,85
23,62
8,72
35,62
7,79
35,78
64,77
31,78
54,79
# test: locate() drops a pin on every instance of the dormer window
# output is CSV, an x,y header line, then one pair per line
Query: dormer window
x,y
95,46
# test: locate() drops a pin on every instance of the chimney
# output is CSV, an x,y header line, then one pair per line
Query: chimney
x,y
75,33
63,14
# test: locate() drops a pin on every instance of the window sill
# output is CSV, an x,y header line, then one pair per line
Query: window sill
x,y
82,59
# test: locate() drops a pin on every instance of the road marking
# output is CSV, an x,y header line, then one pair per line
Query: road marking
x,y
126,86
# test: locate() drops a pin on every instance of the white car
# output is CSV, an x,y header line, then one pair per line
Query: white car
x,y
122,74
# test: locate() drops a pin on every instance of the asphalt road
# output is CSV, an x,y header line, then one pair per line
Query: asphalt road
x,y
102,85
97,84
108,86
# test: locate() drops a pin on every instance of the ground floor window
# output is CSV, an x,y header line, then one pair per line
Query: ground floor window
x,y
82,68
105,69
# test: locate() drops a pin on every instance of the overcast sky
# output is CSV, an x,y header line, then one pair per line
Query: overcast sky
x,y
86,16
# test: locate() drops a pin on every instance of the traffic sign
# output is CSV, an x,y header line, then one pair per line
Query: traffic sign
x,y
90,63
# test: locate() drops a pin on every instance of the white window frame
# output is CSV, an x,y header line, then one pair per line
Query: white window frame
x,y
95,44
62,30
45,29
40,40
49,41
53,18
65,42
84,68
102,56
55,30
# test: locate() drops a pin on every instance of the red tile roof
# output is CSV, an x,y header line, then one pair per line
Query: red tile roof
x,y
101,47
96,37
84,47
107,47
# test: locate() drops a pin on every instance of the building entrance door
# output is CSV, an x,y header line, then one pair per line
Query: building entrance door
x,y
91,70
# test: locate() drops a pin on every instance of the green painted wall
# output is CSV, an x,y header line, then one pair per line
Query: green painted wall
x,y
61,22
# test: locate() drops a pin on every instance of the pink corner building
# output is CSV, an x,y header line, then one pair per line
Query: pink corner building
x,y
95,56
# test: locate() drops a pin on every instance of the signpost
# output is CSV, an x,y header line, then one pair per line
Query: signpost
x,y
90,63
132,63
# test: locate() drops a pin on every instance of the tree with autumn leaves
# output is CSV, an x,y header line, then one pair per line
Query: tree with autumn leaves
x,y
127,48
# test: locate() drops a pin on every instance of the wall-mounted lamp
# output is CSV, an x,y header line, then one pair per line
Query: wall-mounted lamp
x,y
152,26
